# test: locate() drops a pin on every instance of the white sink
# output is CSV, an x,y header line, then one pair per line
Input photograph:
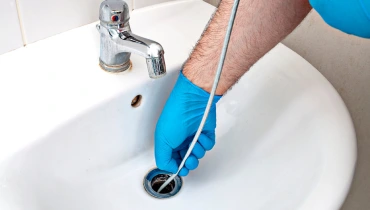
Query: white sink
x,y
70,139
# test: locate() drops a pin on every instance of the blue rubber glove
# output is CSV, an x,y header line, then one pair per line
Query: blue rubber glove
x,y
350,16
178,124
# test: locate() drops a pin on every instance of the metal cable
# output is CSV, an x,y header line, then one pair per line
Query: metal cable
x,y
210,100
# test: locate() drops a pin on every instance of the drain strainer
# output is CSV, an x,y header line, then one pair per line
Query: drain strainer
x,y
154,180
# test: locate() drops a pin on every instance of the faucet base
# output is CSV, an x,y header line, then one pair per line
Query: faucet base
x,y
115,68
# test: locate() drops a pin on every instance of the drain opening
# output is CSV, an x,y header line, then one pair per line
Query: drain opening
x,y
154,180
158,180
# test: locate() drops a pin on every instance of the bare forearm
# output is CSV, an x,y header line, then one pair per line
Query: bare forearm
x,y
258,27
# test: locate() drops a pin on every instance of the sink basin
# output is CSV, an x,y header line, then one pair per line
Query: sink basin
x,y
73,138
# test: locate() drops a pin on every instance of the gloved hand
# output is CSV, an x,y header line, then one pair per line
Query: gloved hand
x,y
350,16
178,124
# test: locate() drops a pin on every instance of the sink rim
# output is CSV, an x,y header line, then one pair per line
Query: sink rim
x,y
138,74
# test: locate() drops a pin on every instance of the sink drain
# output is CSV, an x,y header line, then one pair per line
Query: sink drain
x,y
154,180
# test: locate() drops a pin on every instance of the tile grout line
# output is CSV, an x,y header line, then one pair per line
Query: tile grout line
x,y
21,23
132,6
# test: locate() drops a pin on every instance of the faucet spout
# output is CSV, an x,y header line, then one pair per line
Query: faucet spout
x,y
149,49
117,42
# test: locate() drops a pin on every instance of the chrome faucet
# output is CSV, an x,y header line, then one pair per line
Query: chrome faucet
x,y
117,42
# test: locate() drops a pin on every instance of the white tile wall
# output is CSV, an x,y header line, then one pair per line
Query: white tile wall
x,y
10,33
44,18
143,3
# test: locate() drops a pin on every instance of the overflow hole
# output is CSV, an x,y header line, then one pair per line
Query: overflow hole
x,y
136,101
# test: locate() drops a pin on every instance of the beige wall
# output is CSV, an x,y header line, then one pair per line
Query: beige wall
x,y
345,61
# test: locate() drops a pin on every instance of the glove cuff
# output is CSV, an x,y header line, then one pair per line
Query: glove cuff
x,y
187,85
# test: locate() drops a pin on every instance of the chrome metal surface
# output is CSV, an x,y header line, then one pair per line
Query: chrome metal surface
x,y
155,178
117,42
